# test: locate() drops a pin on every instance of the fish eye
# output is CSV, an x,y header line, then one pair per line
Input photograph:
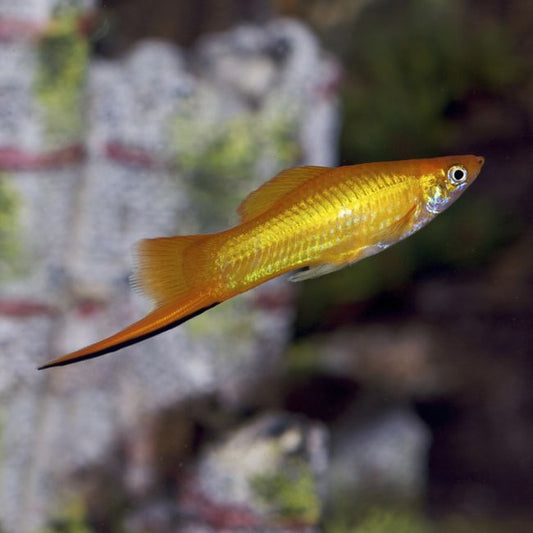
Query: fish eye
x,y
457,174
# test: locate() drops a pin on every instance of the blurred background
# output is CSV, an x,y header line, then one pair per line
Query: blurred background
x,y
393,396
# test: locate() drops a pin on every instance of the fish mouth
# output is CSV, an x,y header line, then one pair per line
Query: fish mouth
x,y
479,162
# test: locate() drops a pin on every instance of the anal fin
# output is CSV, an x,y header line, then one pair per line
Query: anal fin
x,y
317,271
341,258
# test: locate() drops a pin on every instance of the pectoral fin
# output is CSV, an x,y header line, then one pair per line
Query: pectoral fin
x,y
396,231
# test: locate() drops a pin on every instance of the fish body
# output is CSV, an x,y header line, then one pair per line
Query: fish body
x,y
315,218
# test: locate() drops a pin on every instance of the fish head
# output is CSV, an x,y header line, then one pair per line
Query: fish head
x,y
444,179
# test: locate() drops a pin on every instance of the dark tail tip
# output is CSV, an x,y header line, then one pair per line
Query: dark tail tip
x,y
71,358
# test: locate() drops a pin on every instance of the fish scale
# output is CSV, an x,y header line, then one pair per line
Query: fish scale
x,y
315,232
316,218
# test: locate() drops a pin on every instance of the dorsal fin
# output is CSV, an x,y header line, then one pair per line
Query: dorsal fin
x,y
269,193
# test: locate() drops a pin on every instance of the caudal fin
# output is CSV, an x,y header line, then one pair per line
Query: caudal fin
x,y
167,268
165,275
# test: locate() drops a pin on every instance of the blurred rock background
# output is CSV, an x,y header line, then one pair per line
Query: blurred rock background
x,y
391,396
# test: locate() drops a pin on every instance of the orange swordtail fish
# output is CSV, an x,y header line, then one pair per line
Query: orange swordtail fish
x,y
318,219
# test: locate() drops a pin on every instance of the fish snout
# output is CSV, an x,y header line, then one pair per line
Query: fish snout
x,y
476,164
